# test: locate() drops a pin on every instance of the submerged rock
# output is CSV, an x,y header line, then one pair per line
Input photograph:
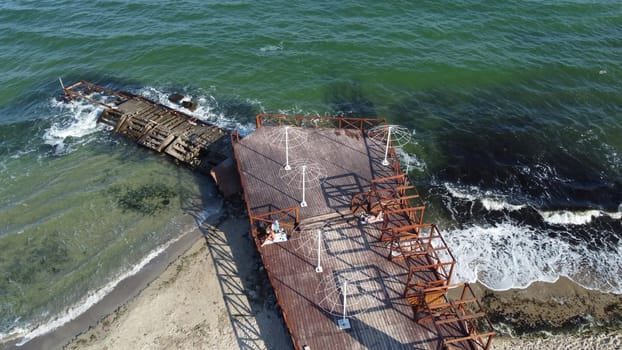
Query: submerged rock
x,y
189,105
175,98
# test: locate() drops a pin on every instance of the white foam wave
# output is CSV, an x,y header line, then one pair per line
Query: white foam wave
x,y
79,119
207,214
270,48
500,204
567,217
509,256
492,201
410,161
83,305
206,109
489,199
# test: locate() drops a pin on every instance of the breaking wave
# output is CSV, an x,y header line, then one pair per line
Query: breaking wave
x,y
77,120
492,201
583,217
207,109
508,255
508,250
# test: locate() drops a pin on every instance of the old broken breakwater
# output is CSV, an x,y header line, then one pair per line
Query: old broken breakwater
x,y
187,139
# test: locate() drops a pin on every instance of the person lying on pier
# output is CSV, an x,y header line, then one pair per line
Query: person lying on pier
x,y
370,219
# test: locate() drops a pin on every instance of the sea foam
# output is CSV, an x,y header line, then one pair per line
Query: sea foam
x,y
206,109
514,255
78,119
410,161
508,255
493,201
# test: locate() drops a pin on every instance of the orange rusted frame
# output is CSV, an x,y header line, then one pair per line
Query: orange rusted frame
x,y
426,294
459,314
385,198
435,234
399,178
317,121
72,91
438,269
406,246
400,202
282,215
413,214
397,232
382,198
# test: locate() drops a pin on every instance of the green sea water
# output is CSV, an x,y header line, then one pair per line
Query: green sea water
x,y
515,107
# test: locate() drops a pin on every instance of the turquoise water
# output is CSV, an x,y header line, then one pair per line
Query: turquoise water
x,y
515,107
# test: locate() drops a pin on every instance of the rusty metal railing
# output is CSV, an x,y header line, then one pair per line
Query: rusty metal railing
x,y
270,119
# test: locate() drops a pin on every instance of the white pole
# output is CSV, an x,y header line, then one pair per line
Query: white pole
x,y
287,167
304,202
318,268
345,292
386,150
61,83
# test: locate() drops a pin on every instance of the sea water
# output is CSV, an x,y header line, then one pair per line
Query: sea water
x,y
515,110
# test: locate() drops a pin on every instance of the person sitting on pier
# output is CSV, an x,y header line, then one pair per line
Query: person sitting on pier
x,y
275,226
370,219
274,234
269,238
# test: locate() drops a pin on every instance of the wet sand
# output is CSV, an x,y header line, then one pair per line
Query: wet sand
x,y
601,341
558,307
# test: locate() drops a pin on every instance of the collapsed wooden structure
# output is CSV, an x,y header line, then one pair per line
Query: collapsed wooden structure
x,y
187,139
399,247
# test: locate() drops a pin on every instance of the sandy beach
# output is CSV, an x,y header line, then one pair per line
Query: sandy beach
x,y
216,296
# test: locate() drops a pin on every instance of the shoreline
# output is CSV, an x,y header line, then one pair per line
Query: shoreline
x,y
219,264
215,295
611,340
127,289
560,307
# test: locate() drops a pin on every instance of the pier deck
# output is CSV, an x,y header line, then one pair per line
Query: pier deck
x,y
381,317
395,273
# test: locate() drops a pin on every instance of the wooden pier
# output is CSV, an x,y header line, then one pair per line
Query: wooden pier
x,y
398,270
395,272
187,139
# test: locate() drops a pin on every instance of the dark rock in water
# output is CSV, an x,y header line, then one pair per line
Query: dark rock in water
x,y
175,98
189,105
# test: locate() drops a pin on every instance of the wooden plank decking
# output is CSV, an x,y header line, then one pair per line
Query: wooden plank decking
x,y
381,318
350,162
